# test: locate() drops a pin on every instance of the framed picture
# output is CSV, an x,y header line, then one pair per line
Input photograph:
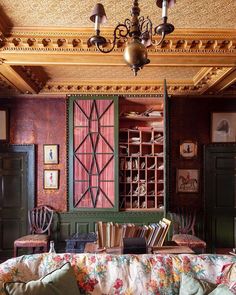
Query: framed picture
x,y
223,127
50,154
51,179
187,180
4,132
188,149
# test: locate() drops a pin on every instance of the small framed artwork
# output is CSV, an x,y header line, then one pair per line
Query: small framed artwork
x,y
50,154
223,127
4,125
51,179
188,149
187,180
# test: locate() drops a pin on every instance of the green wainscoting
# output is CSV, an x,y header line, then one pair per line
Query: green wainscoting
x,y
66,224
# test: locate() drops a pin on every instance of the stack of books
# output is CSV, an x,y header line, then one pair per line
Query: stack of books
x,y
111,234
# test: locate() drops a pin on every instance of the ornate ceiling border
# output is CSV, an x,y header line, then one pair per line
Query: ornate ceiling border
x,y
223,41
213,50
208,79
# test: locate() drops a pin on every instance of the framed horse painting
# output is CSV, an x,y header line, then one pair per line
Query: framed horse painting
x,y
187,180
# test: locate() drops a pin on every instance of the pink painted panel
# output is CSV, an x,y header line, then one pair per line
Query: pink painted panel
x,y
106,140
108,172
79,172
106,112
82,110
95,151
107,188
82,143
80,189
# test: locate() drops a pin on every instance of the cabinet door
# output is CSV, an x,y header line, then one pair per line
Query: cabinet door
x,y
92,153
220,195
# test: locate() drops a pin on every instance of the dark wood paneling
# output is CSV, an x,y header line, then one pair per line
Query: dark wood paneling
x,y
220,190
223,234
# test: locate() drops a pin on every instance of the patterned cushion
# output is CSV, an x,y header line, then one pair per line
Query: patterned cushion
x,y
189,241
193,286
147,274
31,239
56,282
228,276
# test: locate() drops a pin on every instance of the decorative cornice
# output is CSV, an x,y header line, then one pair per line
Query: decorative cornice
x,y
208,79
223,41
212,77
6,87
28,74
212,51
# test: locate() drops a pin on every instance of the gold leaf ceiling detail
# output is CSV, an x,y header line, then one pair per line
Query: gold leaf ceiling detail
x,y
43,49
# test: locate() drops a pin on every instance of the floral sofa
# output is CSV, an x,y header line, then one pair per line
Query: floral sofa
x,y
125,274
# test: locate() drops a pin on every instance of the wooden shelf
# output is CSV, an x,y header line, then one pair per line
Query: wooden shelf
x,y
139,159
142,118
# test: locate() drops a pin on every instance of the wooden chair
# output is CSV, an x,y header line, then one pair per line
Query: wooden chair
x,y
183,230
40,220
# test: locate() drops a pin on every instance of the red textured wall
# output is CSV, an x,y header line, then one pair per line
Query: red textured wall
x,y
191,120
42,121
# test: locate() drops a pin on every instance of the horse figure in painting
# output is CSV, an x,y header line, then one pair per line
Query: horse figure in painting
x,y
187,183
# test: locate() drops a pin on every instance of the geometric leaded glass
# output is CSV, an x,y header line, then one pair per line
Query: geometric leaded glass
x,y
93,153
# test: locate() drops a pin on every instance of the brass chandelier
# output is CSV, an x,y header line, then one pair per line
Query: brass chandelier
x,y
138,33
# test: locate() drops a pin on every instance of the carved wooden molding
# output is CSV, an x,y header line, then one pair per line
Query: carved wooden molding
x,y
180,41
200,87
213,50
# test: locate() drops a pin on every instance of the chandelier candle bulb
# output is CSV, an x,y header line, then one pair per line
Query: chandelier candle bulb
x,y
164,8
97,22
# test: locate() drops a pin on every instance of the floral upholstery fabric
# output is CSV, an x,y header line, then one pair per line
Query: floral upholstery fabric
x,y
119,274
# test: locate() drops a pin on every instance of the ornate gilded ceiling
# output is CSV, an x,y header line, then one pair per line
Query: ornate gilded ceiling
x,y
43,49
75,13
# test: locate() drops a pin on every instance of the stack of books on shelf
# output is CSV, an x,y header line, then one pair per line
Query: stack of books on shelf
x,y
111,234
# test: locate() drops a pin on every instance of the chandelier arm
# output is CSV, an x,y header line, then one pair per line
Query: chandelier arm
x,y
161,40
120,31
145,29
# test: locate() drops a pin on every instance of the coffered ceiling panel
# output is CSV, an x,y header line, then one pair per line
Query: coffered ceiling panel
x,y
44,49
119,73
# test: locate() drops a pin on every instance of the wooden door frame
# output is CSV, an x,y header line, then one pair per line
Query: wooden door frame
x,y
29,150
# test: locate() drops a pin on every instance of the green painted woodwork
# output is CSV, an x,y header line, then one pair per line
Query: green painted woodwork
x,y
84,220
66,224
220,195
16,193
166,149
71,150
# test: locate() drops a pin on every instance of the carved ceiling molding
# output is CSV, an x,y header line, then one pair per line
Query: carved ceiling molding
x,y
6,87
210,77
28,74
198,41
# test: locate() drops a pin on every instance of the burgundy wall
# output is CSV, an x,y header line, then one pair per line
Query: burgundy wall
x,y
42,121
191,120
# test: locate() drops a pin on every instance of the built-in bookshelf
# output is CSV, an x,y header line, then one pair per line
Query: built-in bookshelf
x,y
141,155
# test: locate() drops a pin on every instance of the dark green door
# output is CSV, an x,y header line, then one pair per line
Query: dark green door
x,y
220,195
15,194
